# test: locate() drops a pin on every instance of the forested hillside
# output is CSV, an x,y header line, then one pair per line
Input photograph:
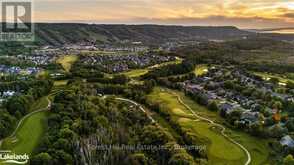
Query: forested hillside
x,y
78,33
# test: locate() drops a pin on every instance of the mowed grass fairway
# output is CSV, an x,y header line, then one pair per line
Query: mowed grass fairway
x,y
29,133
201,69
67,61
139,72
219,149
136,73
281,79
60,82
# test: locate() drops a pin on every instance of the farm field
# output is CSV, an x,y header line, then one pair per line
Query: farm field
x,y
67,61
207,134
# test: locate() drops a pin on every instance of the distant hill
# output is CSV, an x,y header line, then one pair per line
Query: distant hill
x,y
276,29
286,34
64,33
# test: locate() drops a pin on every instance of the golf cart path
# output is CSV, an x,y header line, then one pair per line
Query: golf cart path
x,y
215,124
141,108
25,117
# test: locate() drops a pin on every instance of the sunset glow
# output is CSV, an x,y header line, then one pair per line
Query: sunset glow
x,y
242,13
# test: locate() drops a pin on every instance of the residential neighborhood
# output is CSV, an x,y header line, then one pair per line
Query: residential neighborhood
x,y
124,62
257,101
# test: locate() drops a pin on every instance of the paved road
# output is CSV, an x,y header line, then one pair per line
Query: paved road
x,y
140,107
217,125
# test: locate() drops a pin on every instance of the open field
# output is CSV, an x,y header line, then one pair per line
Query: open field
x,y
290,60
177,61
42,74
200,70
67,61
136,73
267,75
139,72
60,82
209,135
266,56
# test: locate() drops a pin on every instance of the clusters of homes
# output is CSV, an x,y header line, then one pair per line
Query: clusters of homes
x,y
211,87
125,62
38,59
4,69
173,45
5,95
124,48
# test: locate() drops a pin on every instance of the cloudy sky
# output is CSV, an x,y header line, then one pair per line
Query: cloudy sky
x,y
241,13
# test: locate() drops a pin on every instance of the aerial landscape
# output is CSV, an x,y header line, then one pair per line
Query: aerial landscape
x,y
149,83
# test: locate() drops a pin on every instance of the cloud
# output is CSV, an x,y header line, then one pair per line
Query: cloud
x,y
242,22
289,15
242,13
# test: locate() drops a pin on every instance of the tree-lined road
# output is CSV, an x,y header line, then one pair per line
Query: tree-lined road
x,y
140,107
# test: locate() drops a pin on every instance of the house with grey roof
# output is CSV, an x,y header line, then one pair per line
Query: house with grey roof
x,y
287,141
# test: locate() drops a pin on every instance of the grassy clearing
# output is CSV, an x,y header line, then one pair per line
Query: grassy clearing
x,y
139,72
60,83
257,147
28,135
67,61
30,131
136,73
41,103
265,56
177,61
290,60
219,149
201,69
267,75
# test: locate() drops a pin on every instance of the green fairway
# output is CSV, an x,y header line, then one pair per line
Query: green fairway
x,y
139,72
60,82
28,135
136,73
200,70
31,128
41,103
67,61
268,76
219,149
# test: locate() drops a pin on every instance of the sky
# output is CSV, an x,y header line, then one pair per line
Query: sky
x,y
246,14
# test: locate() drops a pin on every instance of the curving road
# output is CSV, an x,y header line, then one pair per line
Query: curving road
x,y
217,125
141,108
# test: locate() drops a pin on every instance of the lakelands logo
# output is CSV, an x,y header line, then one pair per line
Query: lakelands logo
x,y
16,21
12,158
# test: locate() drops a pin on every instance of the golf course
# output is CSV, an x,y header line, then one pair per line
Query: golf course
x,y
29,130
67,61
205,126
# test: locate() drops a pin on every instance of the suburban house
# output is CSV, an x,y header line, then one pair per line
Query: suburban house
x,y
287,141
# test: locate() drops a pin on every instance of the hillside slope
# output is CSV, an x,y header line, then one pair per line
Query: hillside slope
x,y
58,34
